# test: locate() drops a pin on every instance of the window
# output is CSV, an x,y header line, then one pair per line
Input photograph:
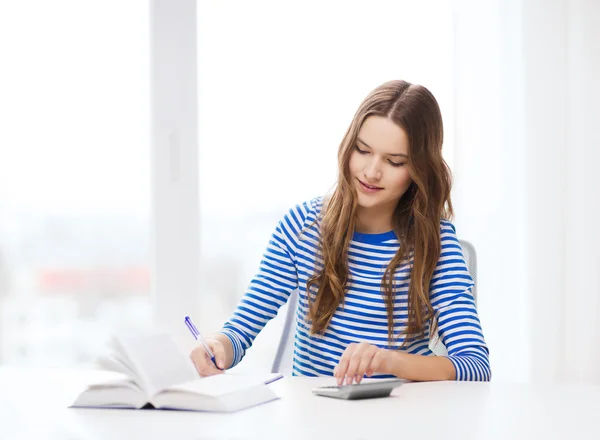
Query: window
x,y
74,178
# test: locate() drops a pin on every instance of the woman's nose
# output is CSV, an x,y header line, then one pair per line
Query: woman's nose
x,y
372,171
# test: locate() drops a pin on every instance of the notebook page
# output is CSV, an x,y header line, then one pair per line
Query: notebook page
x,y
156,360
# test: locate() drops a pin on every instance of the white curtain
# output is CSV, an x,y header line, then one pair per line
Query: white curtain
x,y
526,187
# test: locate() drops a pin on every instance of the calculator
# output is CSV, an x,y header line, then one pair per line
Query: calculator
x,y
366,390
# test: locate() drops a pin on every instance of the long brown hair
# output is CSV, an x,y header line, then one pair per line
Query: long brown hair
x,y
416,219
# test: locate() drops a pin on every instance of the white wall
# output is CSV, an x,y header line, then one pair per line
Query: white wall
x,y
582,282
527,105
488,167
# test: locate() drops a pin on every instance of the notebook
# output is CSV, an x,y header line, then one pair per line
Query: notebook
x,y
153,373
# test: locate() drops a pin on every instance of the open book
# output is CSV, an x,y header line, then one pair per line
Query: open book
x,y
155,374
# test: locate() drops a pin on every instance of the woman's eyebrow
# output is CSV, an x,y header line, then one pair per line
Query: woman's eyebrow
x,y
389,154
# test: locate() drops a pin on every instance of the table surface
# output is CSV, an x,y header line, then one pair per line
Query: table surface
x,y
34,404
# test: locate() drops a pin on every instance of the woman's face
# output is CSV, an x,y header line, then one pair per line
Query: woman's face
x,y
379,164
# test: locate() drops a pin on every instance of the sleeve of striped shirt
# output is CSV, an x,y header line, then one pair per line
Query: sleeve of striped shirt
x,y
458,322
271,287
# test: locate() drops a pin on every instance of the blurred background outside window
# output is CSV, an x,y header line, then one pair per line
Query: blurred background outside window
x,y
74,178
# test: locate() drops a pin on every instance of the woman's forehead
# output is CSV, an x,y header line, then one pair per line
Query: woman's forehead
x,y
383,136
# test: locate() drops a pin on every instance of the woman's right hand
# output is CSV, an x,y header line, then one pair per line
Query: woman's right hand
x,y
202,360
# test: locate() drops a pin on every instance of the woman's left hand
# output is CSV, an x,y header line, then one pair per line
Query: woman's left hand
x,y
360,359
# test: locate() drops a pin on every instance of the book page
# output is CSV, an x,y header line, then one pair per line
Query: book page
x,y
221,384
156,361
116,362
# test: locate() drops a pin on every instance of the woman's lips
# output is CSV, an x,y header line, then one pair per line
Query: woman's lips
x,y
369,189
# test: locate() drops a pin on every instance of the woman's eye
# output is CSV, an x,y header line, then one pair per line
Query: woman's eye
x,y
394,164
359,150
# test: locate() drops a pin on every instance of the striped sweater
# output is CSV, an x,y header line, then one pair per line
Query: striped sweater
x,y
290,260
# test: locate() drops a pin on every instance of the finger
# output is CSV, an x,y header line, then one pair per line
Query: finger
x,y
342,366
202,362
362,350
210,370
198,357
219,351
353,365
341,370
364,365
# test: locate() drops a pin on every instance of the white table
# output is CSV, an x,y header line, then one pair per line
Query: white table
x,y
33,405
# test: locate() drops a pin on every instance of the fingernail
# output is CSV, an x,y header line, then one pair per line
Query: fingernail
x,y
221,364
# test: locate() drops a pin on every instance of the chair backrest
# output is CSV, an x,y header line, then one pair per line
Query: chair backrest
x,y
283,361
470,256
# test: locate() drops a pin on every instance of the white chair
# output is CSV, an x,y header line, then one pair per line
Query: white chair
x,y
285,351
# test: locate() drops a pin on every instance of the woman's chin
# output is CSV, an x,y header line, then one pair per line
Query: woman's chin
x,y
368,201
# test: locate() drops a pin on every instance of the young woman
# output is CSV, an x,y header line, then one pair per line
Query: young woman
x,y
377,265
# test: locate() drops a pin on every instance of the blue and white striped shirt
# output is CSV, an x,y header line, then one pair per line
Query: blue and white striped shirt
x,y
289,262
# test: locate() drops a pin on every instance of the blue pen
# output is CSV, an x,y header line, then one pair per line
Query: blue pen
x,y
190,325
